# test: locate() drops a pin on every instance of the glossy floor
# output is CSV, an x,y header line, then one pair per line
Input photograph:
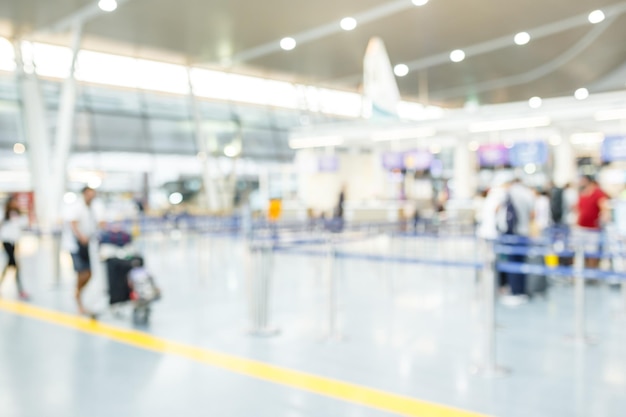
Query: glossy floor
x,y
412,330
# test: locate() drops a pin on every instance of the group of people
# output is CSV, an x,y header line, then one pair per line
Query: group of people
x,y
512,208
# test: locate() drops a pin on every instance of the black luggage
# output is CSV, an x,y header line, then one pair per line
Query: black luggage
x,y
117,276
536,284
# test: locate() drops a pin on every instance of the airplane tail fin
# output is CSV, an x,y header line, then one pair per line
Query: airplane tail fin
x,y
380,90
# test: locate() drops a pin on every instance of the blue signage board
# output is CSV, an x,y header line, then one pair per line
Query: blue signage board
x,y
614,148
524,153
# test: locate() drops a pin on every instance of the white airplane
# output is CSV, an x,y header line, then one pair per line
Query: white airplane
x,y
380,119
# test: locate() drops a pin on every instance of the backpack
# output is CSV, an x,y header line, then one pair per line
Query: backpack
x,y
556,205
507,219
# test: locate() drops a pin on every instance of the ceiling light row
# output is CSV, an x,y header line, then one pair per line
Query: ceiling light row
x,y
522,38
579,94
287,44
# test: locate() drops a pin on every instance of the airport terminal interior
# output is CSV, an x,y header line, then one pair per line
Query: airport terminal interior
x,y
290,209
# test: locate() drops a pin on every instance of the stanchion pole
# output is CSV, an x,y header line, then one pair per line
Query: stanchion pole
x,y
56,257
393,270
331,279
624,297
489,368
259,282
580,336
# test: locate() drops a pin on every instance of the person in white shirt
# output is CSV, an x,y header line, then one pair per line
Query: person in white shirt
x,y
10,230
83,221
542,211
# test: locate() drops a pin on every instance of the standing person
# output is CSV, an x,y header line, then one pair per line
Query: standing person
x,y
544,216
592,212
522,202
570,201
337,222
340,203
84,220
10,230
487,230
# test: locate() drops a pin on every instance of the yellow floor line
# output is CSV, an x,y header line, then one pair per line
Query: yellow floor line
x,y
369,397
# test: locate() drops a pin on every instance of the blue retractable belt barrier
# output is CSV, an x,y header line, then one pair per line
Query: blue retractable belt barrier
x,y
383,258
589,273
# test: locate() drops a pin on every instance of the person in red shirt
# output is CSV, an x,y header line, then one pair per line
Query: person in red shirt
x,y
592,210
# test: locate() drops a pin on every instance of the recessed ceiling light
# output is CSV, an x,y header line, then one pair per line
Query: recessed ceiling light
x,y
19,148
522,38
596,16
107,5
419,2
581,94
348,23
288,43
535,102
457,55
401,70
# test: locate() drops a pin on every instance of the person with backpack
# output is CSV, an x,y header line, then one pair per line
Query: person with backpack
x,y
515,217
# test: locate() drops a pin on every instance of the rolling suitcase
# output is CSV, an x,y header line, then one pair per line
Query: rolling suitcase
x,y
117,277
536,284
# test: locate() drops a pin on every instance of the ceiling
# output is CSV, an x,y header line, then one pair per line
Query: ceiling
x,y
572,54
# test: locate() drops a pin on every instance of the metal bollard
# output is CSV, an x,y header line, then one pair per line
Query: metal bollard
x,y
624,297
332,289
259,274
580,336
489,368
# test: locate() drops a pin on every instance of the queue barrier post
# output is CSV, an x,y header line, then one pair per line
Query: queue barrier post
x,y
489,367
259,280
580,336
332,289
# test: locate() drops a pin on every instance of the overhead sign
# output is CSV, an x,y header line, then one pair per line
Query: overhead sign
x,y
493,155
393,160
418,160
614,148
524,153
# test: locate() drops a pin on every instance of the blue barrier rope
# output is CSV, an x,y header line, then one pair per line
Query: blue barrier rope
x,y
382,258
589,273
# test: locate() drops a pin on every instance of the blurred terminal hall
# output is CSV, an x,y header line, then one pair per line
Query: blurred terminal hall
x,y
284,209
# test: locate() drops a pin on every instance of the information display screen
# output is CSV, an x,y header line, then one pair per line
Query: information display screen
x,y
614,149
493,155
524,153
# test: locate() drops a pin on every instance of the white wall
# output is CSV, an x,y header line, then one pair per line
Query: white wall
x,y
362,175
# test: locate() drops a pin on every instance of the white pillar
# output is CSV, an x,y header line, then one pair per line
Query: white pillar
x,y
65,129
210,186
37,138
564,162
464,171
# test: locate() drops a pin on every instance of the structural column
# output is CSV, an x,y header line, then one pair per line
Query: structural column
x,y
65,127
47,165
564,162
464,172
36,136
210,186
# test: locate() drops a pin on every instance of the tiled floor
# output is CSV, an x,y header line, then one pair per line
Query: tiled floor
x,y
408,329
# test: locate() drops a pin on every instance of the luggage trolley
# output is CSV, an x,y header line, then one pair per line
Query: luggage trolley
x,y
128,281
